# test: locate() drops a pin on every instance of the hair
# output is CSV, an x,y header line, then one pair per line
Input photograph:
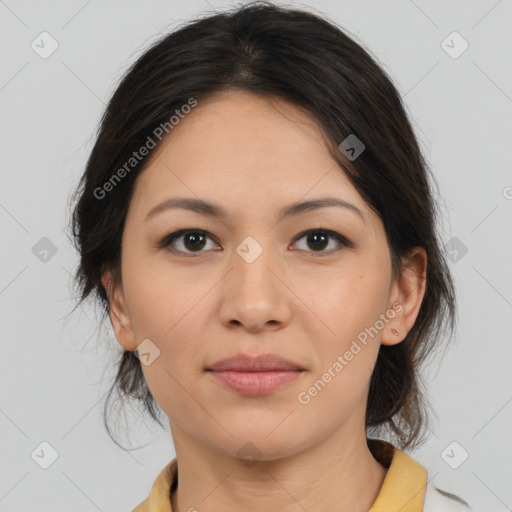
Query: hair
x,y
302,58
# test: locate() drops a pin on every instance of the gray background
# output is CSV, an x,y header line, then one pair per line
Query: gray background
x,y
55,370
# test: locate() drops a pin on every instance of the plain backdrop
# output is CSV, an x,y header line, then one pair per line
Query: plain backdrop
x,y
55,369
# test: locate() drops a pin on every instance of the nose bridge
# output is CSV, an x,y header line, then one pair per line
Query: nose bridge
x,y
252,261
254,295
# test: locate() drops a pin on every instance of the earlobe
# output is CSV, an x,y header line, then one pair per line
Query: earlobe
x,y
106,281
407,294
119,315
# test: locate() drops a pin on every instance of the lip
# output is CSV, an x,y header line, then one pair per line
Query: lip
x,y
251,383
261,363
253,376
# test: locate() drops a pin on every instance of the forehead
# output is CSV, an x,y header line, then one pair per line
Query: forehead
x,y
237,146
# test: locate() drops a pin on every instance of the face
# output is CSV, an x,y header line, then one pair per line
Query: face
x,y
306,286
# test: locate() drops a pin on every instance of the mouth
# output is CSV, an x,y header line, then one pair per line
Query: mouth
x,y
249,375
254,383
260,363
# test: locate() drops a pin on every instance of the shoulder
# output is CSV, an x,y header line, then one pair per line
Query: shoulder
x,y
439,500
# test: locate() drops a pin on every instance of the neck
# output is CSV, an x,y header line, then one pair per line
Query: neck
x,y
339,474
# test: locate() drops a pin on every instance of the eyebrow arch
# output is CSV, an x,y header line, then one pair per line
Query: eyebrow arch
x,y
210,209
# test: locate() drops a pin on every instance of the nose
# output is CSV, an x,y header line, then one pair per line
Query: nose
x,y
254,293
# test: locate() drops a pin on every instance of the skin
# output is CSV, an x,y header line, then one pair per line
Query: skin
x,y
252,156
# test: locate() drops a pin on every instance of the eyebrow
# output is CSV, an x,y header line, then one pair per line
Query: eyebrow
x,y
213,210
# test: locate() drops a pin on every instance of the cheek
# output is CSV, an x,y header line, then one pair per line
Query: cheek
x,y
174,322
165,309
347,301
160,297
347,343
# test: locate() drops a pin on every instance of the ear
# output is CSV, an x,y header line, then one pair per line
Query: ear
x,y
119,314
406,296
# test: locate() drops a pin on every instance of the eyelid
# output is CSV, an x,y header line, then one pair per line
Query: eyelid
x,y
329,233
167,241
170,238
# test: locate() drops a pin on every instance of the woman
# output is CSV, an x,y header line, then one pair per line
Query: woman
x,y
257,220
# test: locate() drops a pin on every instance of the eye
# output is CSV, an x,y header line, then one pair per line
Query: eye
x,y
319,239
193,240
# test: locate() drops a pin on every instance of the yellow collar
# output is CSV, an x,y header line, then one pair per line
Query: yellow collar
x,y
403,488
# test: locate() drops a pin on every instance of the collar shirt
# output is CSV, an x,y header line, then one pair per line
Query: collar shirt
x,y
405,487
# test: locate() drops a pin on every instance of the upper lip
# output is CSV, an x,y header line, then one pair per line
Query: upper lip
x,y
261,363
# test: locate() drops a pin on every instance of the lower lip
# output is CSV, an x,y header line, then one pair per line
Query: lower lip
x,y
255,383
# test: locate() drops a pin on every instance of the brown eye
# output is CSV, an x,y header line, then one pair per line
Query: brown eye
x,y
193,241
189,241
318,239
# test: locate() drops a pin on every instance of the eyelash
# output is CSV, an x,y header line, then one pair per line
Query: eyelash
x,y
169,239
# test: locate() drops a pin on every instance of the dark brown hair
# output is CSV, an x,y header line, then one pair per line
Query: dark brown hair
x,y
306,60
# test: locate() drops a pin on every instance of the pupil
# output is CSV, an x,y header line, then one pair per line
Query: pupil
x,y
316,236
197,238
